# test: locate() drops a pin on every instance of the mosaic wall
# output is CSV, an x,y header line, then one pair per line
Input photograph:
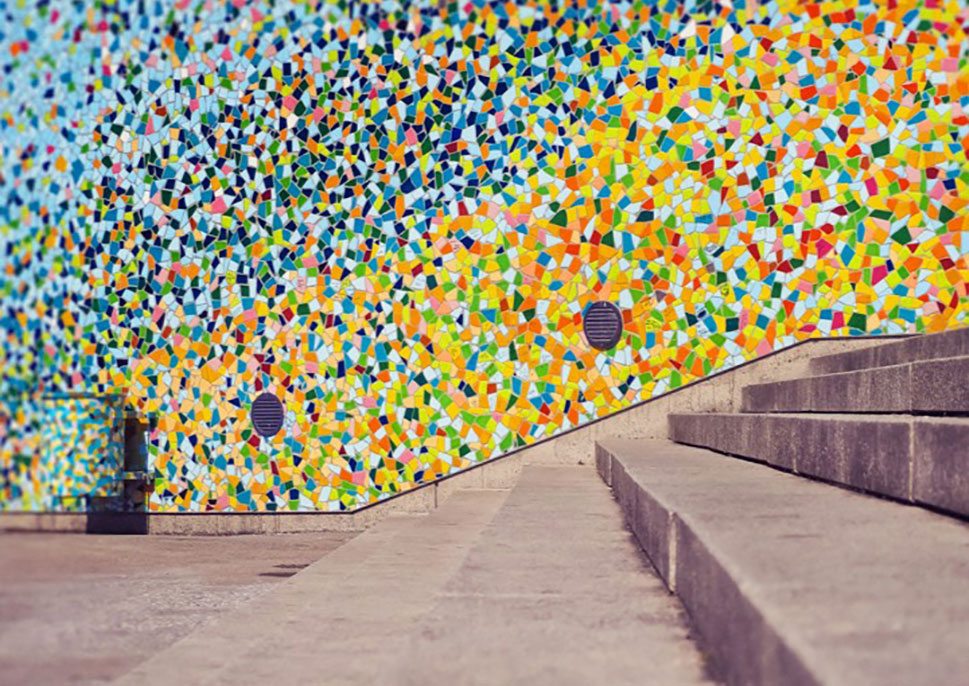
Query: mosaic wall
x,y
392,215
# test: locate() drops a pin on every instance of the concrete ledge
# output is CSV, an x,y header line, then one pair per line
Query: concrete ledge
x,y
790,581
43,521
919,460
933,386
754,652
929,347
645,517
604,464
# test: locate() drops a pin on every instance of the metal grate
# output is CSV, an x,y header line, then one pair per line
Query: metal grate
x,y
266,414
602,324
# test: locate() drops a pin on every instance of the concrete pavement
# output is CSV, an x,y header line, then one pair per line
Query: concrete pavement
x,y
556,591
86,609
542,585
342,620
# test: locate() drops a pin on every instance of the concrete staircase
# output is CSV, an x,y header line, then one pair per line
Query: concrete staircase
x,y
832,579
884,420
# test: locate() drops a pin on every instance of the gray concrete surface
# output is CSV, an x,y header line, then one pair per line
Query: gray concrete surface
x,y
77,609
341,620
908,457
790,581
554,592
932,386
886,389
928,347
941,386
539,586
940,470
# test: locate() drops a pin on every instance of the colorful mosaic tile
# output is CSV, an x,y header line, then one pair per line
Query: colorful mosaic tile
x,y
65,452
392,216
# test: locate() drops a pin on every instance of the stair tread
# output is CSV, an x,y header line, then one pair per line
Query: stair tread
x,y
853,588
554,591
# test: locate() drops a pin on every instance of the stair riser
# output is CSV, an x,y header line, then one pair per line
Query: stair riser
x,y
941,466
887,390
948,344
750,651
649,521
936,386
914,460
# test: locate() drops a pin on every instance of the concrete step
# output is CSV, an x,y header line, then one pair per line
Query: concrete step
x,y
931,386
555,591
343,619
928,347
790,581
922,460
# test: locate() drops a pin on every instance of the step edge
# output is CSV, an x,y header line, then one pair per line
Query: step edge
x,y
900,389
870,417
684,528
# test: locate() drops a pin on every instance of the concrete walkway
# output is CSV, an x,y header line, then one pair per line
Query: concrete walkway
x,y
556,591
86,609
542,585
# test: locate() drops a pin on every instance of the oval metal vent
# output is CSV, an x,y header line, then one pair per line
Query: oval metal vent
x,y
602,324
266,414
